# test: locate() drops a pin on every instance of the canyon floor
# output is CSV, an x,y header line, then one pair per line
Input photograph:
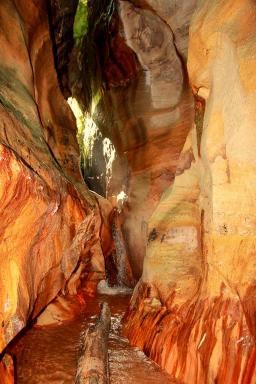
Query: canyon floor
x,y
49,354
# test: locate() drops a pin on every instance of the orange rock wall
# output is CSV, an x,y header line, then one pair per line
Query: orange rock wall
x,y
193,310
7,370
187,220
49,219
148,117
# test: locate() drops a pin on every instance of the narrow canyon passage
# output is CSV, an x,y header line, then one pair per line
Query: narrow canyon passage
x,y
49,354
128,155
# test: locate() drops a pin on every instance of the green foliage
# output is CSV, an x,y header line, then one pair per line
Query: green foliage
x,y
80,27
91,33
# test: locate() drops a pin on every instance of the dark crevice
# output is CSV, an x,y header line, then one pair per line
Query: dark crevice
x,y
61,15
199,120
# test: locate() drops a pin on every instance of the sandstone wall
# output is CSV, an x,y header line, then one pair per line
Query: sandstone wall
x,y
49,219
146,113
194,308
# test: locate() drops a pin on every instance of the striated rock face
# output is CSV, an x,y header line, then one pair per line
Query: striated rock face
x,y
147,116
178,169
160,119
194,308
49,219
7,370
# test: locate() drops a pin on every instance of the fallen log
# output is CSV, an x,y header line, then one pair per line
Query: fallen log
x,y
93,362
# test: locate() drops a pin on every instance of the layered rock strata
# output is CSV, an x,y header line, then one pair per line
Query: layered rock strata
x,y
146,114
194,308
49,219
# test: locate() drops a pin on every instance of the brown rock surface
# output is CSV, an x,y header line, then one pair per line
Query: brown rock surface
x,y
199,262
7,370
49,219
147,118
181,197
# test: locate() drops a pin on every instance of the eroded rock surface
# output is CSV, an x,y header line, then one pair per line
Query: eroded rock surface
x,y
179,171
49,219
199,263
147,117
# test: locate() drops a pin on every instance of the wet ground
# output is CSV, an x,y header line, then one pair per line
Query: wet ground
x,y
49,354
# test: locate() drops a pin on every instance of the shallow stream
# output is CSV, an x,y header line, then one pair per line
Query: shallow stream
x,y
49,354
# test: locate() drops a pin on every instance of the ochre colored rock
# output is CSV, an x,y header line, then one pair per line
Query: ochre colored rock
x,y
7,370
49,219
147,119
200,258
174,229
62,309
181,196
143,110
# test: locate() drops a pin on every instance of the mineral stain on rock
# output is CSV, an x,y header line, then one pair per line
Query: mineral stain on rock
x,y
152,235
164,98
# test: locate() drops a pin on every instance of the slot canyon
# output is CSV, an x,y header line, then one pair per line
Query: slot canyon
x,y
128,191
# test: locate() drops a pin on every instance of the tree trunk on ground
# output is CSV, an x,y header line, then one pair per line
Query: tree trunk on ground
x,y
93,363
